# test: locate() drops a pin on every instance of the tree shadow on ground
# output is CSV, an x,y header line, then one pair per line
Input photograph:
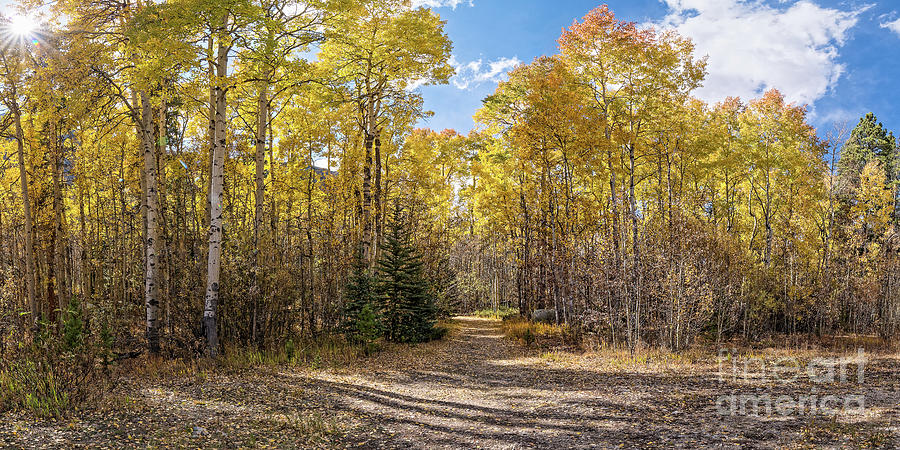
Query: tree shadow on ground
x,y
484,395
475,389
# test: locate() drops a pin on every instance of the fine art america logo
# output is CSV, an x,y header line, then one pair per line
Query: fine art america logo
x,y
790,372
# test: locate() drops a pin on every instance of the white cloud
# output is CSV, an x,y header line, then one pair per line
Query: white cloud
x,y
753,47
893,26
412,85
440,3
476,72
835,116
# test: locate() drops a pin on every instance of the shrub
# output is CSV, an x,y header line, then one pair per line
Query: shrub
x,y
106,342
438,332
289,349
368,329
73,326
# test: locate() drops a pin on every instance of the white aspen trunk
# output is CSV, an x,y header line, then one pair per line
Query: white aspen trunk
x,y
369,139
767,211
214,258
151,235
259,211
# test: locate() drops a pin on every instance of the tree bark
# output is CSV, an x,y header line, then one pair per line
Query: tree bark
x,y
366,241
151,236
164,240
379,226
259,211
59,230
214,257
635,245
767,211
26,204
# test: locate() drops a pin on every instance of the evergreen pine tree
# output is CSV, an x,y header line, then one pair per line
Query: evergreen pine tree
x,y
869,141
361,322
407,304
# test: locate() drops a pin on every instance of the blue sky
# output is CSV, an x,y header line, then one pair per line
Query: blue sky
x,y
842,58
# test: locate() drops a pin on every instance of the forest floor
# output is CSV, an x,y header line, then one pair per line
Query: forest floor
x,y
476,389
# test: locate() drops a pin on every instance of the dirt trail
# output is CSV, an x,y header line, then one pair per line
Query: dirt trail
x,y
473,389
477,389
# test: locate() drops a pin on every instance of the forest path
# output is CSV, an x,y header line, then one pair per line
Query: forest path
x,y
477,389
472,389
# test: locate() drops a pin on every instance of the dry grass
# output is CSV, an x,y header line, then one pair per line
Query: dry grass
x,y
326,351
502,313
542,335
709,356
562,344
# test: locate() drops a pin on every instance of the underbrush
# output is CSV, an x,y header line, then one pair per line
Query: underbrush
x,y
541,335
783,351
35,387
62,369
55,371
837,344
311,353
314,353
439,332
502,313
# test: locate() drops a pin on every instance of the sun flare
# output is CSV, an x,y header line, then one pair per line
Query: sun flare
x,y
22,25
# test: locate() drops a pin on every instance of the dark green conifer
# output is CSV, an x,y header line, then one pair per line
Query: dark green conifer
x,y
868,141
361,321
407,304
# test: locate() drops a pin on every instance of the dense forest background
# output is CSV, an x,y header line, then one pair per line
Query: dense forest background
x,y
198,175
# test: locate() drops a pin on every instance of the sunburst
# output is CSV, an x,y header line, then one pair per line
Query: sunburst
x,y
22,26
18,30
